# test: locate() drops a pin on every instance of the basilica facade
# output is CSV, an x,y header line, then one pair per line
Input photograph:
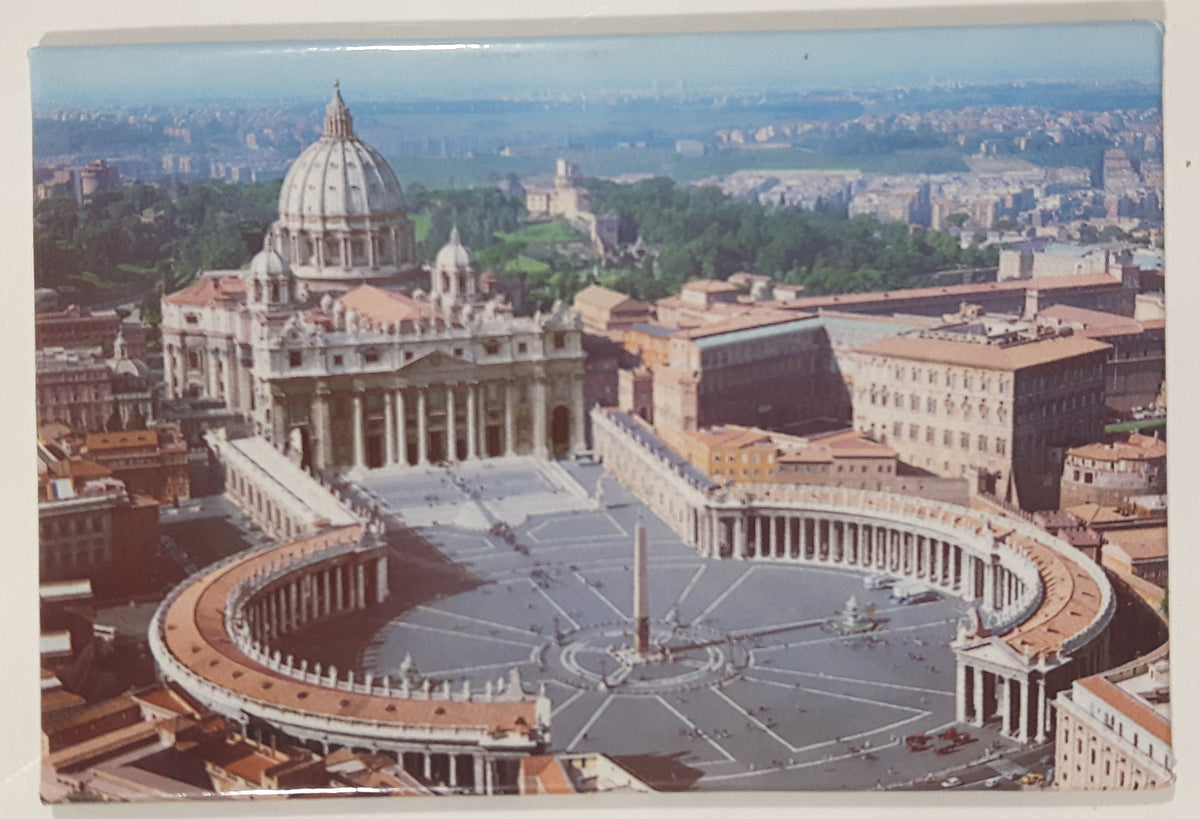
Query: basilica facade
x,y
341,350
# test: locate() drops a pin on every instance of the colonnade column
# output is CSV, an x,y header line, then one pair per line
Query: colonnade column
x,y
1039,735
1023,710
774,543
422,429
472,421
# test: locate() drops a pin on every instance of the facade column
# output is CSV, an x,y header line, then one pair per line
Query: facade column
x,y
539,417
478,774
451,422
357,421
802,534
339,591
361,577
1005,704
739,536
318,438
510,424
980,717
472,421
328,601
401,428
1023,710
578,416
422,428
211,373
773,546
278,419
389,428
758,536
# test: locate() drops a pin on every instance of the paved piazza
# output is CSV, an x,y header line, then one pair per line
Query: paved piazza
x,y
756,692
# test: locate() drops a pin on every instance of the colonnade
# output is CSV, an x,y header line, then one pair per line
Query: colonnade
x,y
879,546
316,592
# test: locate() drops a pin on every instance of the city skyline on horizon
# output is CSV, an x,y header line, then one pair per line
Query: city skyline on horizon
x,y
770,62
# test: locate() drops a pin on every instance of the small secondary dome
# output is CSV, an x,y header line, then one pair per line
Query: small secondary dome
x,y
453,257
268,263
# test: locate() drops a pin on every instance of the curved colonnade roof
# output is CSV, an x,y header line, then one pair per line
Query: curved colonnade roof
x,y
1071,598
195,634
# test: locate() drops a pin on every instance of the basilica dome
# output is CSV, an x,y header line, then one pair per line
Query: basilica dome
x,y
339,175
341,211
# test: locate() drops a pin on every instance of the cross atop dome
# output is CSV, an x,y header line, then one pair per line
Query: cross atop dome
x,y
338,122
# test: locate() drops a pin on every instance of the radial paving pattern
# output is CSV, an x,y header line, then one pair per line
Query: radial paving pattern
x,y
747,688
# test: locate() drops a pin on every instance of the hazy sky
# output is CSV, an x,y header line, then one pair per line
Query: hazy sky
x,y
300,71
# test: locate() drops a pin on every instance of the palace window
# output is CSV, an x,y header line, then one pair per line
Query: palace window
x,y
560,340
294,358
522,346
371,356
964,440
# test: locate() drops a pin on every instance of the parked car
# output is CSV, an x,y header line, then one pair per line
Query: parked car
x,y
994,781
952,782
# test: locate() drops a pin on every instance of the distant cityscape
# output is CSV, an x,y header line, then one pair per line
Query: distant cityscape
x,y
655,441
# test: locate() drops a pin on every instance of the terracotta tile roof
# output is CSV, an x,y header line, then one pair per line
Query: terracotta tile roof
x,y
1070,602
1137,448
548,772
963,291
1092,323
384,306
1129,705
121,440
207,290
710,286
602,298
731,437
1009,358
1142,543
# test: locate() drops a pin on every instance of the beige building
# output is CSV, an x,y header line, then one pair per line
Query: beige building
x,y
1109,474
605,311
1114,729
998,408
338,363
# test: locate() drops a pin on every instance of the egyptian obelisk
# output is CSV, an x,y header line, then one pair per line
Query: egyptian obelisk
x,y
641,599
